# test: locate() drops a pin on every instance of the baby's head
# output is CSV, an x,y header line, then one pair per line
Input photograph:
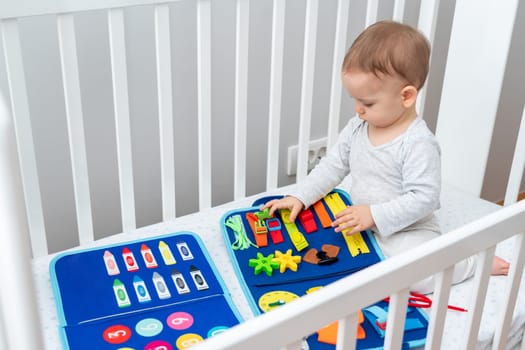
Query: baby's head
x,y
392,49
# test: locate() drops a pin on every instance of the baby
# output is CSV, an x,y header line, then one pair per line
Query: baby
x,y
391,156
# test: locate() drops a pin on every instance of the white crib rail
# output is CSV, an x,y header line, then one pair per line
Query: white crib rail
x,y
342,299
19,318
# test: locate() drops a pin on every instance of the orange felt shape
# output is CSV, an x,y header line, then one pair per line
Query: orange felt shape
x,y
328,334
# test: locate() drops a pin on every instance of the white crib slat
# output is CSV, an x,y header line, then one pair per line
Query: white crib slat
x,y
241,97
336,89
75,123
395,323
428,13
121,106
274,118
518,165
20,319
204,100
371,12
24,135
3,344
477,54
399,10
347,333
165,101
481,279
514,279
307,87
436,324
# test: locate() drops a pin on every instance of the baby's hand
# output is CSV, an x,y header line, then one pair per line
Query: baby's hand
x,y
288,202
358,218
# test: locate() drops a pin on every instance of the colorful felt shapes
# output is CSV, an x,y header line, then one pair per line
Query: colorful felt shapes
x,y
263,264
287,260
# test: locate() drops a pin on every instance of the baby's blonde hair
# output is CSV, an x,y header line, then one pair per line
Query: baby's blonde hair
x,y
390,48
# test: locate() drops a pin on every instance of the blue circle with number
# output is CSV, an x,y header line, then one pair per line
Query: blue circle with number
x,y
149,327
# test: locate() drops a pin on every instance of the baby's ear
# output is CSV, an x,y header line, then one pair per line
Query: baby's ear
x,y
408,95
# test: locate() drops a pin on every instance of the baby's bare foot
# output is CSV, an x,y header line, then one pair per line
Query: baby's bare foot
x,y
500,267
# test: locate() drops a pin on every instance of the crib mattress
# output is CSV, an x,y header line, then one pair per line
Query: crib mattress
x,y
457,209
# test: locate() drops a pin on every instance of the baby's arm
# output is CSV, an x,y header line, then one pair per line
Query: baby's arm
x,y
288,202
357,217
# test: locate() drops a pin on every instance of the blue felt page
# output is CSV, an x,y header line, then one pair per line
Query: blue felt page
x,y
265,292
140,294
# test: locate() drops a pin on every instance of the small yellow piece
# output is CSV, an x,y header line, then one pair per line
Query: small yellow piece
x,y
296,236
287,261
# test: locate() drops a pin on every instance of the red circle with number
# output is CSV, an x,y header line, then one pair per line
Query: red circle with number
x,y
117,334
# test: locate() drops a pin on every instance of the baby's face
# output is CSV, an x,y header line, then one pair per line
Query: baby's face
x,y
378,100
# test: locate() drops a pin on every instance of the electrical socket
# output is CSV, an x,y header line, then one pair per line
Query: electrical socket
x,y
316,150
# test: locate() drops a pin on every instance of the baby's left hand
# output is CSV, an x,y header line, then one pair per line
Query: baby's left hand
x,y
358,218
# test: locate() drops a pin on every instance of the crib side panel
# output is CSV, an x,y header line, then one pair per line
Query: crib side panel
x,y
476,63
343,298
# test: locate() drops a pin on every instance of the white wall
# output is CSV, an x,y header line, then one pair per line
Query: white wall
x,y
39,49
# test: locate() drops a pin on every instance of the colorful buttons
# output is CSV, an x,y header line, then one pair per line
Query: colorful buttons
x,y
121,294
160,286
187,340
184,251
148,257
149,327
155,294
129,259
158,345
180,282
141,290
180,320
216,330
166,253
111,263
117,334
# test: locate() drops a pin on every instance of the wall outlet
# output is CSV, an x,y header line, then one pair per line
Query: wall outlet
x,y
316,150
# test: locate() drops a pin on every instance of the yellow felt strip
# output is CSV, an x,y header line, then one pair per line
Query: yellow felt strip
x,y
355,242
296,236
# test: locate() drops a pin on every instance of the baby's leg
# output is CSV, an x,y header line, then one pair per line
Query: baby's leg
x,y
462,271
500,267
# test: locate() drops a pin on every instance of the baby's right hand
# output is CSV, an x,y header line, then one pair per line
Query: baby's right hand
x,y
289,202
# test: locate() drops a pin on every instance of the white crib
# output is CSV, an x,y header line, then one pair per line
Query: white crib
x,y
266,115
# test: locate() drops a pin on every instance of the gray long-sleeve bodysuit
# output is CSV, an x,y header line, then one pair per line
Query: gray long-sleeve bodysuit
x,y
400,180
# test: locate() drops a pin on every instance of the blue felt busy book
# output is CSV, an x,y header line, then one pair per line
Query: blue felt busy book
x,y
278,261
158,293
